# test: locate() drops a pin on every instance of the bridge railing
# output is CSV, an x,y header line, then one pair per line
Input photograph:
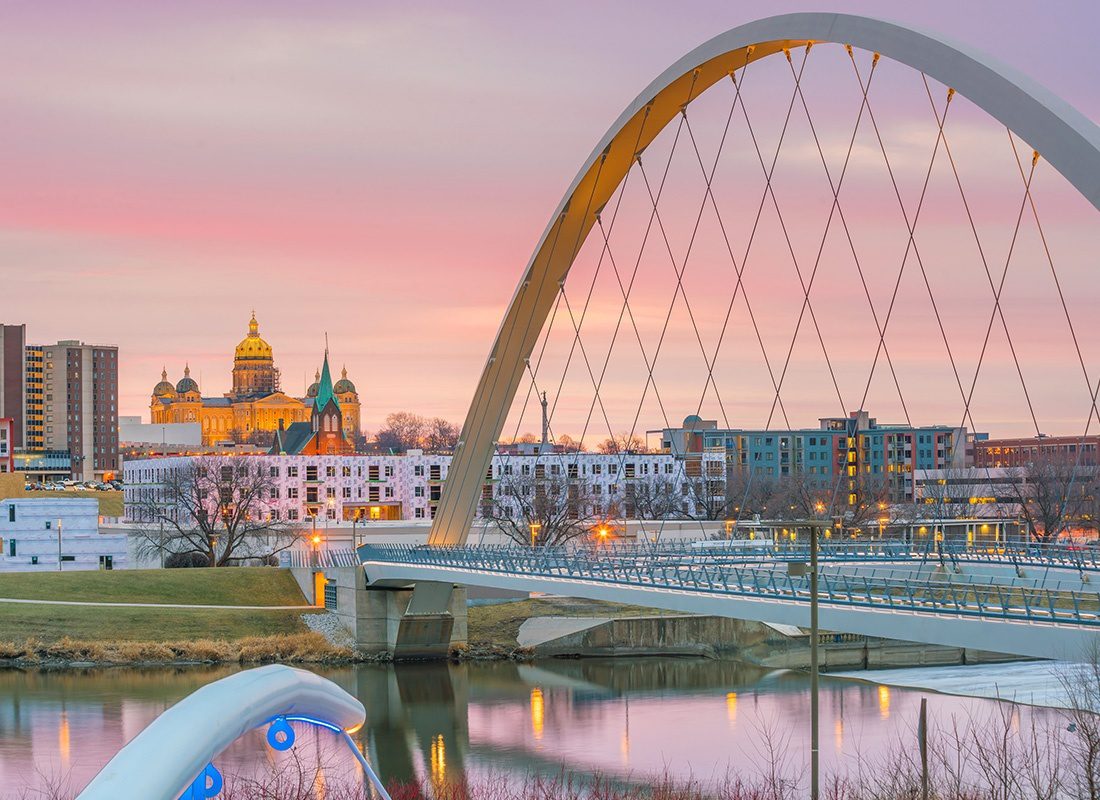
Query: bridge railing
x,y
320,559
955,595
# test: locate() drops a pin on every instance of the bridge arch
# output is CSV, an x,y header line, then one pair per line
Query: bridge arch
x,y
1068,140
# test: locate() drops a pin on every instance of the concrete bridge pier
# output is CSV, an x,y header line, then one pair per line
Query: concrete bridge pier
x,y
424,620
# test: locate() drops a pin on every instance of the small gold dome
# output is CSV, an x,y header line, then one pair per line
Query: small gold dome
x,y
252,347
165,387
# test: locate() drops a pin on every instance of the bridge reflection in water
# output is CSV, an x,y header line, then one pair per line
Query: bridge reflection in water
x,y
623,718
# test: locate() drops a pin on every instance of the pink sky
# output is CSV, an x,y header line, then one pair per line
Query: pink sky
x,y
380,171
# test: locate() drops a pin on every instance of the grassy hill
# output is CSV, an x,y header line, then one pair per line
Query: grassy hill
x,y
245,586
219,586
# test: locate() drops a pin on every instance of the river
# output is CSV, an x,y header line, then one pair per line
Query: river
x,y
622,718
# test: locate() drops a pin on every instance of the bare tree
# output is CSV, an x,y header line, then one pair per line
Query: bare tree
x,y
568,444
537,505
1081,684
440,436
1053,492
260,438
622,443
405,431
220,508
656,497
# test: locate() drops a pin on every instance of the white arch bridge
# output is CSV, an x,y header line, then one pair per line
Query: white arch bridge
x,y
896,596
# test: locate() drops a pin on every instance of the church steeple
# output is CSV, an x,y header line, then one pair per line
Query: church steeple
x,y
324,386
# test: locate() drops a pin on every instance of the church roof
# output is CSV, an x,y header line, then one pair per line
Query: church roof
x,y
292,439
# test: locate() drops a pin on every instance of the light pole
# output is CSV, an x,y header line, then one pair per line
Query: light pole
x,y
59,544
814,721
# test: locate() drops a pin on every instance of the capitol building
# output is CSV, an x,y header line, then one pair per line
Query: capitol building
x,y
256,407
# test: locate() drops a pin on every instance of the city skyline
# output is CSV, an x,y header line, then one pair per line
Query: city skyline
x,y
272,180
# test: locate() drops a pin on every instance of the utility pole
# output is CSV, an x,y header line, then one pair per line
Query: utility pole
x,y
922,737
814,713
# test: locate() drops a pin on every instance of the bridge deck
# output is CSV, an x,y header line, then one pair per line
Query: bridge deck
x,y
936,608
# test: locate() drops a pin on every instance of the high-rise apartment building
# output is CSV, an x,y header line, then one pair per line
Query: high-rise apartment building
x,y
63,401
80,406
34,401
12,380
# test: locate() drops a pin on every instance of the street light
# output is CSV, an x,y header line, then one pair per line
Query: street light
x,y
315,538
59,544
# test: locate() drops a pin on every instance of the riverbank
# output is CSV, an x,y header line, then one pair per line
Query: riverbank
x,y
58,636
259,615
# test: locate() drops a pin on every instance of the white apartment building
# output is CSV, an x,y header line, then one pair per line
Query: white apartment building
x,y
29,528
408,487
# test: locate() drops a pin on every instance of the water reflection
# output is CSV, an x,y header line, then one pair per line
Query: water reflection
x,y
440,723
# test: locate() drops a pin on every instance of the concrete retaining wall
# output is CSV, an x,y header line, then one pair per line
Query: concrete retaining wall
x,y
752,642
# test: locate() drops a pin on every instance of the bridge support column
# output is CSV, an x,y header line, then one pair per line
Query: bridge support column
x,y
424,621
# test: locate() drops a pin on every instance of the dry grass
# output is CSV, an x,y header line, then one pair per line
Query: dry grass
x,y
285,648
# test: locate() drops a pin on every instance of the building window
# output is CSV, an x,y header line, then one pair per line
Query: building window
x,y
292,493
292,472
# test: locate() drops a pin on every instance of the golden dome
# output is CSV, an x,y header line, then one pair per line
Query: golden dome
x,y
252,347
165,387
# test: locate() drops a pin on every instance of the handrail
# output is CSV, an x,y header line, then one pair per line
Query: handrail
x,y
956,595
